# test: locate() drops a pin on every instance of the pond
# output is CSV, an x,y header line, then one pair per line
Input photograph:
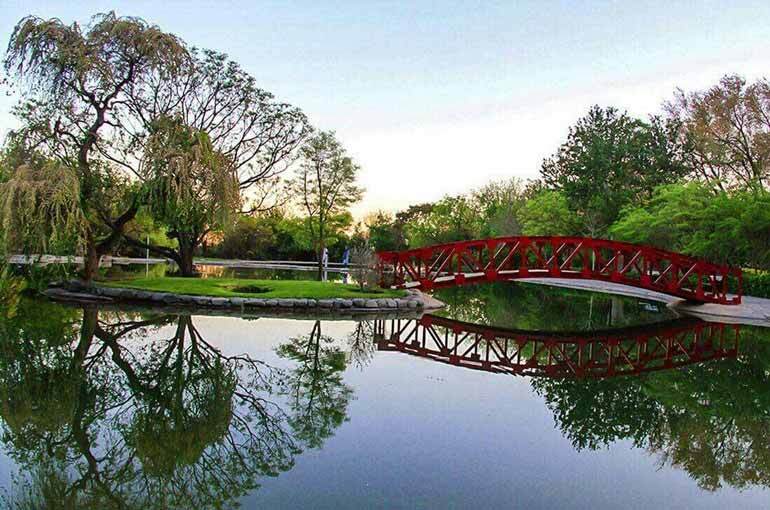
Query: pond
x,y
515,395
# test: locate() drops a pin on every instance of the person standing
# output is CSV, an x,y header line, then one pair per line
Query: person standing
x,y
325,263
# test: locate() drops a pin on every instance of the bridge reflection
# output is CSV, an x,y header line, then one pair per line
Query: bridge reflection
x,y
597,354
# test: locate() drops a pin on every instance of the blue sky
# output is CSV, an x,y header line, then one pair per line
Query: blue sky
x,y
440,97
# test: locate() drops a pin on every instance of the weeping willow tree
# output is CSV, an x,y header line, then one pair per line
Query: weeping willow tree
x,y
39,209
188,186
74,84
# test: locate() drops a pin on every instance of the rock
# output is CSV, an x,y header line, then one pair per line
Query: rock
x,y
382,303
300,303
254,302
157,296
347,303
286,303
238,301
311,303
107,291
201,300
359,302
170,298
220,301
412,304
271,302
391,303
402,303
371,303
143,295
325,303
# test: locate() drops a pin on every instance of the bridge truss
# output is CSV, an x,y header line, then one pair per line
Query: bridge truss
x,y
624,351
509,258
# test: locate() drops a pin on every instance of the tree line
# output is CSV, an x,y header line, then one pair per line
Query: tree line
x,y
692,179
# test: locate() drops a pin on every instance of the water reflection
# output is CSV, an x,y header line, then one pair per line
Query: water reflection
x,y
609,353
100,417
115,409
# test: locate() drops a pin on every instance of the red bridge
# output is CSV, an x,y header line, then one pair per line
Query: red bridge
x,y
510,258
598,354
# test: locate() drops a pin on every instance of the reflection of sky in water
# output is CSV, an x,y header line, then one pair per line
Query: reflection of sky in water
x,y
420,434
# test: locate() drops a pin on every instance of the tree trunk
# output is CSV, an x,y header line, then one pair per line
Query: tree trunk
x,y
321,246
90,260
186,252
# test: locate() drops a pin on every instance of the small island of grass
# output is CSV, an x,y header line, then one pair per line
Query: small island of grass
x,y
242,287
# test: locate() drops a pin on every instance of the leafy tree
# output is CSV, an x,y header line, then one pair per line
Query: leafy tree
x,y
499,204
548,214
610,160
188,186
449,219
728,126
382,232
731,228
253,136
325,186
73,109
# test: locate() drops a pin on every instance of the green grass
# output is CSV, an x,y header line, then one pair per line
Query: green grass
x,y
226,287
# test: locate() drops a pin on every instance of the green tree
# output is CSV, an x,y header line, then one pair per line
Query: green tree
x,y
188,186
73,108
548,214
610,160
731,228
325,186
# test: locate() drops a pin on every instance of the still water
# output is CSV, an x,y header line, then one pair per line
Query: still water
x,y
515,395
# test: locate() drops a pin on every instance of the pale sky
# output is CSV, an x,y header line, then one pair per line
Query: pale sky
x,y
435,98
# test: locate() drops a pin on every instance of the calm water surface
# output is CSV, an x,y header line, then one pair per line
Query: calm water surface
x,y
598,402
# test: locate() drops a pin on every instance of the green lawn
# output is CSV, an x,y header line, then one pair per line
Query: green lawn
x,y
233,287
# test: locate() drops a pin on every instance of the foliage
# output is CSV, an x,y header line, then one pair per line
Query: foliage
x,y
500,204
728,126
449,219
40,211
228,287
729,228
610,160
74,109
188,186
548,213
325,186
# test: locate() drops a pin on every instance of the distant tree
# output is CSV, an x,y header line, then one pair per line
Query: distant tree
x,y
453,218
548,214
610,160
382,232
73,109
729,128
325,186
499,204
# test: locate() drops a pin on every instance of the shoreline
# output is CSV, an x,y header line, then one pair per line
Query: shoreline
x,y
75,292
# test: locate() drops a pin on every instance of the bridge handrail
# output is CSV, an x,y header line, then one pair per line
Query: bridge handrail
x,y
390,254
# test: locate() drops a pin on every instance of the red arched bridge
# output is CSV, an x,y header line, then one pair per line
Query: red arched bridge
x,y
597,354
510,258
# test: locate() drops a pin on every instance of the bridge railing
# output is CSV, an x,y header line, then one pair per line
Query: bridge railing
x,y
508,258
599,354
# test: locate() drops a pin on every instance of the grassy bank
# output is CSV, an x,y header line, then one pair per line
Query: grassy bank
x,y
242,287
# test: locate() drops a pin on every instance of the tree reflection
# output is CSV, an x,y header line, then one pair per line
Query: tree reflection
x,y
712,419
318,398
102,413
